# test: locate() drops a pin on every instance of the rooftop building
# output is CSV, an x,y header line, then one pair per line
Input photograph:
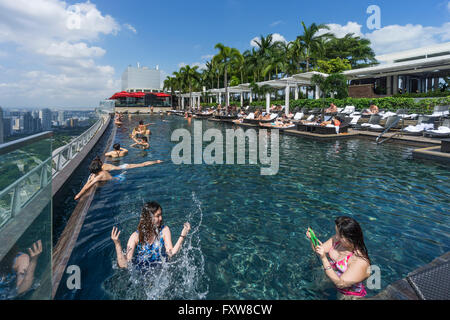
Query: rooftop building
x,y
141,79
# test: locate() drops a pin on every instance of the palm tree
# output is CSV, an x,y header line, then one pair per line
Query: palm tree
x,y
190,75
311,41
227,57
170,83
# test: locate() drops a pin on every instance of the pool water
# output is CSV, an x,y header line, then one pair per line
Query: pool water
x,y
248,231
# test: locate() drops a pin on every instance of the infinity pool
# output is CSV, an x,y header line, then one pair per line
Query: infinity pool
x,y
247,238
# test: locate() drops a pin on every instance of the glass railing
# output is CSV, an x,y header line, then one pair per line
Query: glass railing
x,y
25,218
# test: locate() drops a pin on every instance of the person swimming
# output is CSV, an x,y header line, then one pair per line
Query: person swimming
x,y
152,241
117,152
100,172
17,271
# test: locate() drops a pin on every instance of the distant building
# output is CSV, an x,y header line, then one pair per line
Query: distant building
x,y
61,117
7,127
45,115
73,122
27,122
141,79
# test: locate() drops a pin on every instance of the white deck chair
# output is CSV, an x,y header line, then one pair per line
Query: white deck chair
x,y
251,116
298,115
348,110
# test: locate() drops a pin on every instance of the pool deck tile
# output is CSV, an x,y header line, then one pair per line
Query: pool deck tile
x,y
401,289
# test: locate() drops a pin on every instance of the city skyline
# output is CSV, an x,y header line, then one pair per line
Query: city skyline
x,y
73,54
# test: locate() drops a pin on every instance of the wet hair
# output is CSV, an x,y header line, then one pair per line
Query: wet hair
x,y
146,230
96,165
141,122
6,264
116,146
350,229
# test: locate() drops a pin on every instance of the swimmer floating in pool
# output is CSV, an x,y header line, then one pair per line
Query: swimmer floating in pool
x,y
349,263
152,241
100,172
117,152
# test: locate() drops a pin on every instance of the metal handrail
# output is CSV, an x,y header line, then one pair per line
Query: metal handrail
x,y
20,143
18,201
60,159
386,130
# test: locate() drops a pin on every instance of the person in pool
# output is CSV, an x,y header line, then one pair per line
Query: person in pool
x,y
100,172
17,271
141,143
117,152
349,263
152,241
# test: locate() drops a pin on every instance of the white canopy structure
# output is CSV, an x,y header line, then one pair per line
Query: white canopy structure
x,y
296,81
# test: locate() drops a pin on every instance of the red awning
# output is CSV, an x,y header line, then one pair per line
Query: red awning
x,y
124,94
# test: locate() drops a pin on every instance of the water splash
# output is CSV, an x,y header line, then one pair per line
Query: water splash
x,y
183,277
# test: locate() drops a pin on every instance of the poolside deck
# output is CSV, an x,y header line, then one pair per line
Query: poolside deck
x,y
403,290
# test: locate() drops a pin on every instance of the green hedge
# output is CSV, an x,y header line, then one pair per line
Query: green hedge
x,y
423,106
432,94
388,103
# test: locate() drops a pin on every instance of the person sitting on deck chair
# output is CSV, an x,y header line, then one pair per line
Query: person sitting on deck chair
x,y
331,109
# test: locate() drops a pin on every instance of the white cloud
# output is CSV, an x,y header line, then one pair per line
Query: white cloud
x,y
340,31
275,37
394,38
58,40
130,27
207,57
275,23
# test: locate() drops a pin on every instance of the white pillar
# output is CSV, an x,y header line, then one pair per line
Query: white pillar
x,y
286,100
228,98
242,99
317,92
251,97
267,102
220,98
296,93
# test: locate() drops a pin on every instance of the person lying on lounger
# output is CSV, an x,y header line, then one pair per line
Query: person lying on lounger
x,y
331,109
117,152
100,172
372,110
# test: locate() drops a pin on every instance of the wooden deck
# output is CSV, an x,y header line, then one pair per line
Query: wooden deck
x,y
66,242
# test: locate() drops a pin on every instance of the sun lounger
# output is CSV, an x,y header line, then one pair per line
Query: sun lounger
x,y
391,122
348,110
424,123
442,132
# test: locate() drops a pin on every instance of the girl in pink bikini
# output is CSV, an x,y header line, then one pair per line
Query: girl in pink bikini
x,y
348,264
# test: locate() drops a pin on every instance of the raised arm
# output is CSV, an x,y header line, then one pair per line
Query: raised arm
x,y
122,259
170,249
26,266
91,181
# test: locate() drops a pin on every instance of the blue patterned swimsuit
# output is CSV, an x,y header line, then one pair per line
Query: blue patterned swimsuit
x,y
150,255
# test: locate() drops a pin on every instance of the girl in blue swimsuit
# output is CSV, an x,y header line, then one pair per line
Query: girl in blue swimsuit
x,y
152,241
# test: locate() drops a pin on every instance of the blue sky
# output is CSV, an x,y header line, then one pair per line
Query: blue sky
x,y
44,63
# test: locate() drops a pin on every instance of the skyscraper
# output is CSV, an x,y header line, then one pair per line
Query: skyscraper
x,y
61,117
27,122
46,119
